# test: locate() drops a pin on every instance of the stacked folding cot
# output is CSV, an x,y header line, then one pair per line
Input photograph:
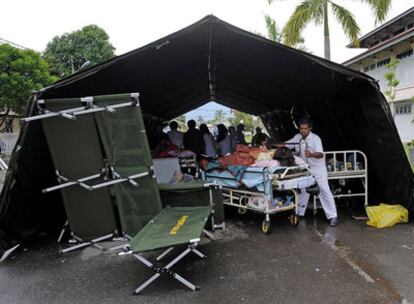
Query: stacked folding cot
x,y
101,155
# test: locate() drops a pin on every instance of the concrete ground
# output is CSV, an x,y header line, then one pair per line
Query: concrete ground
x,y
313,263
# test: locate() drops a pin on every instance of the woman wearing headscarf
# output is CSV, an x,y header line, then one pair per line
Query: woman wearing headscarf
x,y
223,139
209,143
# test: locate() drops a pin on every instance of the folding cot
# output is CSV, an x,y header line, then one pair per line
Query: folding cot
x,y
104,168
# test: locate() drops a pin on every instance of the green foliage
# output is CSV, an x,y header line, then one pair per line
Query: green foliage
x,y
274,34
67,53
392,81
219,117
317,11
21,72
241,117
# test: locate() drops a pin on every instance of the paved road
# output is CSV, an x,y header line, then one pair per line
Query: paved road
x,y
312,263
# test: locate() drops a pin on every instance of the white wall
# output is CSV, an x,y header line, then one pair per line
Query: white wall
x,y
404,126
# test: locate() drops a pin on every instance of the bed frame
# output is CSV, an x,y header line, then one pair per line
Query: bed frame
x,y
356,168
285,181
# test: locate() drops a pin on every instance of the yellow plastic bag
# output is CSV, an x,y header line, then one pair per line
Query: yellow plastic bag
x,y
386,215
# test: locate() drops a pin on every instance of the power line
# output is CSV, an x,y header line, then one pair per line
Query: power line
x,y
2,40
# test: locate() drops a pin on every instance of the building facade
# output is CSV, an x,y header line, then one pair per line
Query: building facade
x,y
392,40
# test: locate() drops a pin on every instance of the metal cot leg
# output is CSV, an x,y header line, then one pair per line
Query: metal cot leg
x,y
166,269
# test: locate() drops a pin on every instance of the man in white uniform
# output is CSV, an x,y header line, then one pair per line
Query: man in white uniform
x,y
175,136
311,151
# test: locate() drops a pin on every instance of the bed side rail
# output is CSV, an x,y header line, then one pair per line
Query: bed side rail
x,y
347,162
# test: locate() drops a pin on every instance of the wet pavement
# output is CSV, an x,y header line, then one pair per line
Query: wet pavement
x,y
313,263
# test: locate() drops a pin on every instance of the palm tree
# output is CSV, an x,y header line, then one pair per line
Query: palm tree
x,y
318,11
275,34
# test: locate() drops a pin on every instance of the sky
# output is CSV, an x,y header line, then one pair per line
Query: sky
x,y
131,24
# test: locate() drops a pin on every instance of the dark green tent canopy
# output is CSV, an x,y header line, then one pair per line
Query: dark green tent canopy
x,y
212,60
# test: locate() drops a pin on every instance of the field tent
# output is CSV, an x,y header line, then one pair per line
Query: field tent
x,y
212,60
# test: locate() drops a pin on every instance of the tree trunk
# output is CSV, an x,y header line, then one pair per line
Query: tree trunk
x,y
327,43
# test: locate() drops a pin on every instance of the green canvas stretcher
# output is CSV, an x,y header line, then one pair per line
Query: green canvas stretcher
x,y
189,194
114,142
125,145
76,152
172,227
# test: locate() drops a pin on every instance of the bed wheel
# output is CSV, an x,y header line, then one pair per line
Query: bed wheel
x,y
294,219
266,227
242,210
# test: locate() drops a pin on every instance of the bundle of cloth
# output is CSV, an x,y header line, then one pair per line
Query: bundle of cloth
x,y
167,149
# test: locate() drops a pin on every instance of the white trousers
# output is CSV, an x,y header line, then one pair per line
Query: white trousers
x,y
325,196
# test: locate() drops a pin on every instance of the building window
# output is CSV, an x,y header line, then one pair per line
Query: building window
x,y
366,69
405,54
403,109
411,25
383,62
372,67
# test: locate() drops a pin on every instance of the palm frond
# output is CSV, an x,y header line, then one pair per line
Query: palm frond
x,y
296,23
273,32
347,21
316,10
380,8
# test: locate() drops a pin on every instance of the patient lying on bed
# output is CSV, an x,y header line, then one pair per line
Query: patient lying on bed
x,y
283,157
250,156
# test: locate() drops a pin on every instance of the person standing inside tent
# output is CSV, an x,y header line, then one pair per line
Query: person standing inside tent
x,y
311,151
223,139
240,135
210,143
175,136
258,137
193,138
233,139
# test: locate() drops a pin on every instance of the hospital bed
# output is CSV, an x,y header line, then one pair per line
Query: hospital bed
x,y
261,189
343,167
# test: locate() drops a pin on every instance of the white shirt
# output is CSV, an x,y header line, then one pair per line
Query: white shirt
x,y
176,137
313,143
209,146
